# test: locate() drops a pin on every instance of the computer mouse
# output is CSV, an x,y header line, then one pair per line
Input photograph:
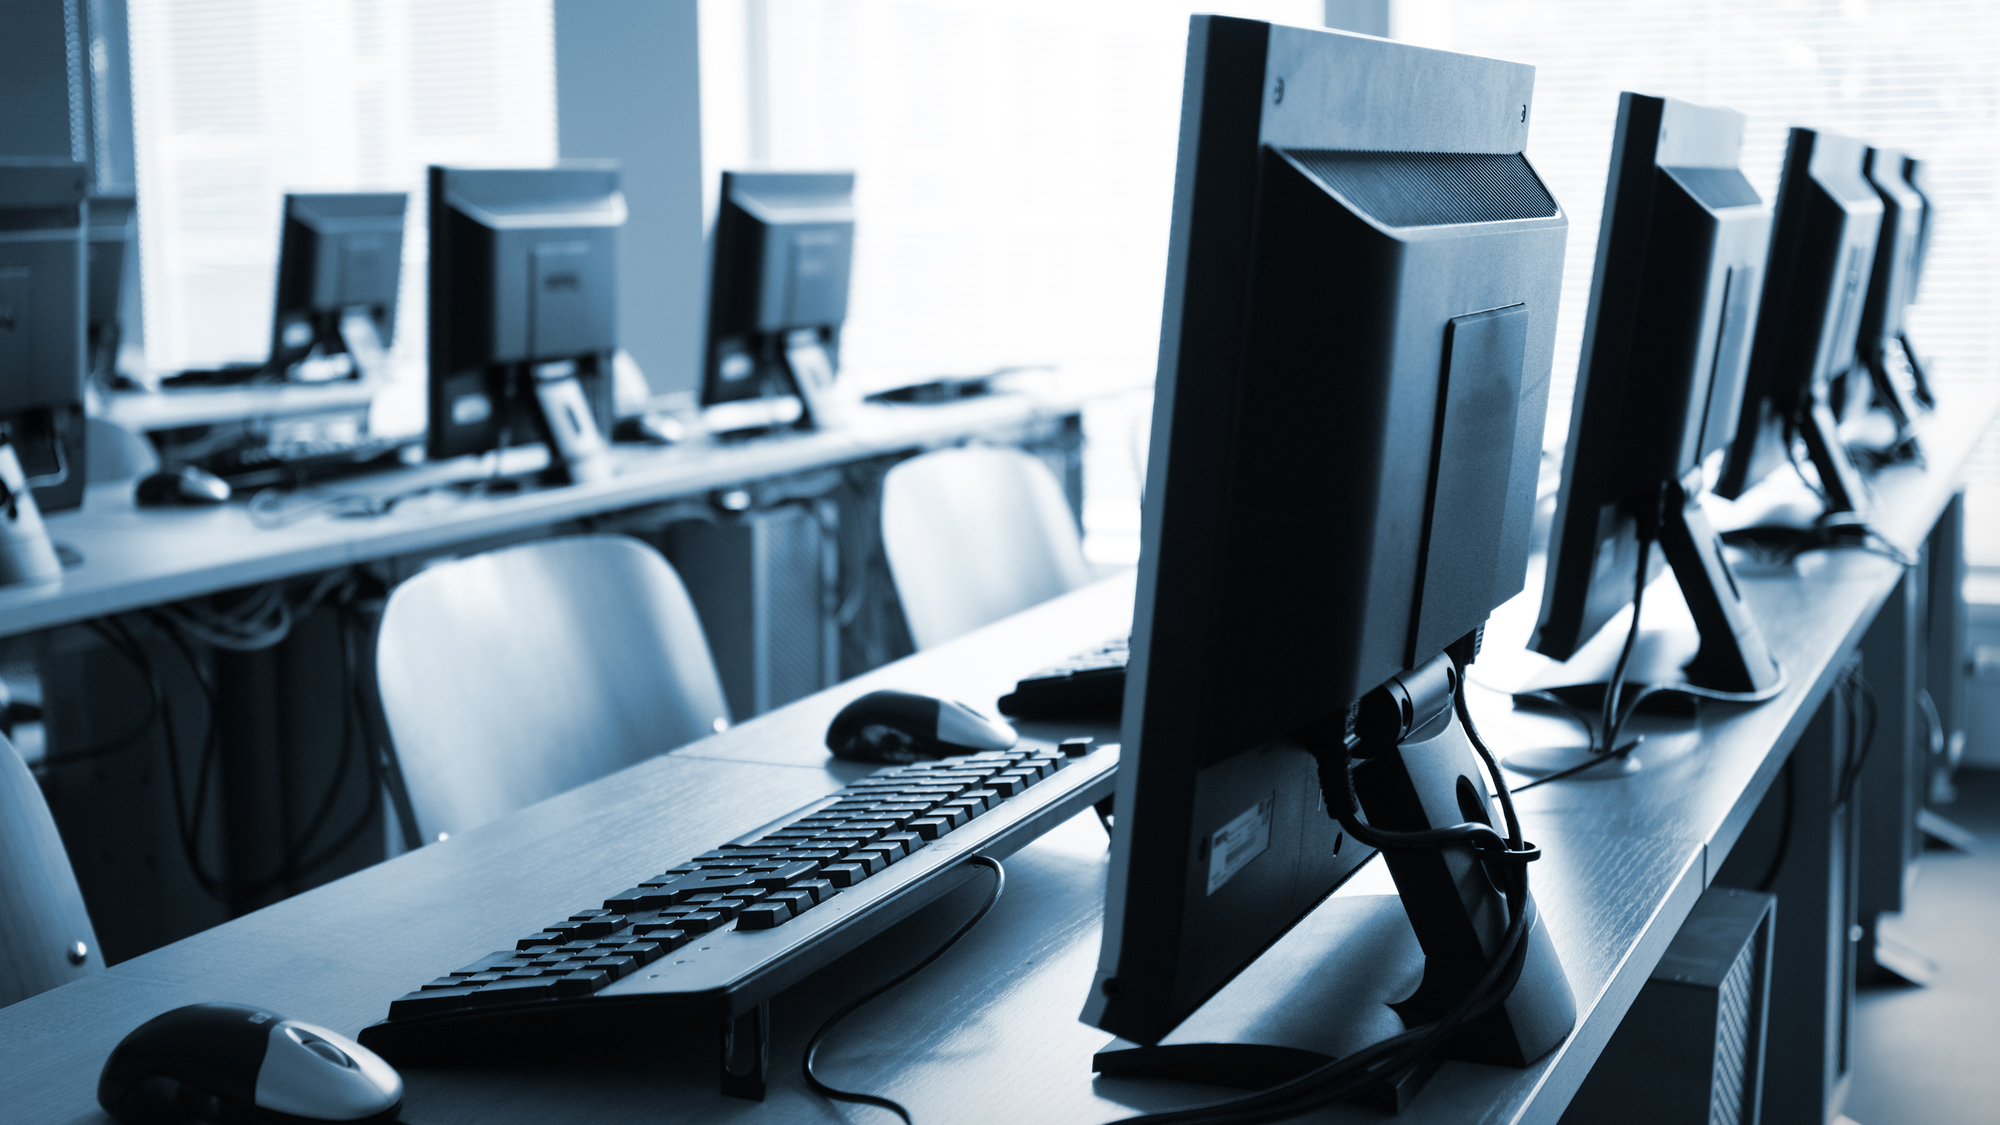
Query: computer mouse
x,y
233,1062
184,486
898,726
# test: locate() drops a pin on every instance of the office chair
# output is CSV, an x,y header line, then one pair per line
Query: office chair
x,y
974,534
521,673
45,933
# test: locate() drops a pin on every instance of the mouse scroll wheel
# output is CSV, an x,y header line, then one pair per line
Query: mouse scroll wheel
x,y
320,1047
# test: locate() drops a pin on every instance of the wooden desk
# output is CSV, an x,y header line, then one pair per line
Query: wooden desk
x,y
990,1033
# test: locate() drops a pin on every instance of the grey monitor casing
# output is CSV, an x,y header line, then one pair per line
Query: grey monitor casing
x,y
522,272
1328,500
338,251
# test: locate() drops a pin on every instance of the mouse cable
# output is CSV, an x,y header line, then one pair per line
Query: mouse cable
x,y
812,1046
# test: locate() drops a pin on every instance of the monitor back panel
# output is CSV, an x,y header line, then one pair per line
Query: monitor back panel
x,y
1362,284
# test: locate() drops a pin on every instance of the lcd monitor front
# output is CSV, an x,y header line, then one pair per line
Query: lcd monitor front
x,y
1354,368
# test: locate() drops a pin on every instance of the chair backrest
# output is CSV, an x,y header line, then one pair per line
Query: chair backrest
x,y
518,674
975,534
45,934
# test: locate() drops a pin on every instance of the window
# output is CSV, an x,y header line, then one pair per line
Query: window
x,y
1014,180
236,102
1914,74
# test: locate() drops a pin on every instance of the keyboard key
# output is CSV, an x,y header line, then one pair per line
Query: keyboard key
x,y
514,991
702,921
787,874
618,966
766,914
634,899
819,889
582,982
874,859
647,952
800,901
664,937
533,940
847,873
907,841
930,827
430,1001
491,962
1009,785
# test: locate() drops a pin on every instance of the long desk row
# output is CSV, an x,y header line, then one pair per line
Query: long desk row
x,y
991,1032
134,558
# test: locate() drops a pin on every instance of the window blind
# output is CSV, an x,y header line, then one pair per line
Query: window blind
x,y
1915,74
236,102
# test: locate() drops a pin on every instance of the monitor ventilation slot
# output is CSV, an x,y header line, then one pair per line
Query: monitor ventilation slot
x,y
1432,189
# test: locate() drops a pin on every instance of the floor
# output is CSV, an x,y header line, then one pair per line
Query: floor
x,y
1932,1055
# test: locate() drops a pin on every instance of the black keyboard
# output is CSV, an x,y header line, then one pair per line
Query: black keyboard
x,y
714,937
1089,683
295,463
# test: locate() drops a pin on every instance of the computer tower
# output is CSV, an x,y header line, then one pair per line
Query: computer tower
x,y
766,584
1691,1049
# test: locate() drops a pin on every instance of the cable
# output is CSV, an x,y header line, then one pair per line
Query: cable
x,y
813,1079
1341,1078
1784,844
299,858
1863,715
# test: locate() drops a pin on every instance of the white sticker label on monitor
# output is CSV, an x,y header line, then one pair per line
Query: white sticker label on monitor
x,y
1235,844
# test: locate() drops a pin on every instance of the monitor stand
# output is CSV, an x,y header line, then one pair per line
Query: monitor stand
x,y
554,396
1921,389
363,341
1417,780
1839,481
1724,658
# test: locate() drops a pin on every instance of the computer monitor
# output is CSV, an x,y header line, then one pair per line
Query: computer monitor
x,y
783,248
1363,274
1914,175
523,314
113,234
43,309
339,261
1891,285
1816,280
1673,305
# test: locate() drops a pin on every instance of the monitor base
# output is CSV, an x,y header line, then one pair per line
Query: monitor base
x,y
1659,661
1257,1066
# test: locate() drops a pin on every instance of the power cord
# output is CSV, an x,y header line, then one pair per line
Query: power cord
x,y
1344,1077
273,614
807,1065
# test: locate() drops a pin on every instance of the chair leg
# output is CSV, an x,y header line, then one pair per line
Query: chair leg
x,y
746,1053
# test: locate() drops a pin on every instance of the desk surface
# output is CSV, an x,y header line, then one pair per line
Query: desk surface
x,y
135,558
991,1032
